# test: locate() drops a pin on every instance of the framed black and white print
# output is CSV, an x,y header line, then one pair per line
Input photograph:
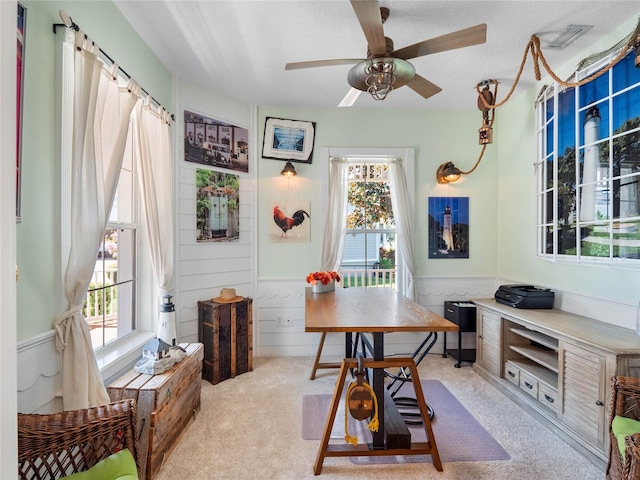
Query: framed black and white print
x,y
288,140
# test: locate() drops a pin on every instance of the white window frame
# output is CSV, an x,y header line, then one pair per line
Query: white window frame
x,y
375,155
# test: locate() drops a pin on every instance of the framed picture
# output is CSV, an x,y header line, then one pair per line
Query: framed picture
x,y
289,222
208,141
448,227
22,12
217,206
289,140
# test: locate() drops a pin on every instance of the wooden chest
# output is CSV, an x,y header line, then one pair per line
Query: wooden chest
x,y
225,329
167,403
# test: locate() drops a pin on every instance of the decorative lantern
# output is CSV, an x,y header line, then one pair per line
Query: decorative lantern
x,y
167,321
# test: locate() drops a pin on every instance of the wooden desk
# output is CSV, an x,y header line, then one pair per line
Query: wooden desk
x,y
376,311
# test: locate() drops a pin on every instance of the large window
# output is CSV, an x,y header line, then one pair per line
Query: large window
x,y
109,306
370,242
588,169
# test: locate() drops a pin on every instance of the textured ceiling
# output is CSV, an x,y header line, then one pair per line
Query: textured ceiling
x,y
239,48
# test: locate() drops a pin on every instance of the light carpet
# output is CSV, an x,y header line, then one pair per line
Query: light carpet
x,y
459,436
249,428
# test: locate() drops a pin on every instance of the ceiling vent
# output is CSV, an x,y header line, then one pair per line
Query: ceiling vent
x,y
570,35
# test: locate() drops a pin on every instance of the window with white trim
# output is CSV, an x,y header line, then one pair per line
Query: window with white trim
x,y
588,167
110,303
369,257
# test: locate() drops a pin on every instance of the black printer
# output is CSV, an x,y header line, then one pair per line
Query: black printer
x,y
524,296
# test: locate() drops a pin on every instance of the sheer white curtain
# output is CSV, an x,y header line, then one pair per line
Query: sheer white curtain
x,y
101,112
335,226
403,215
156,186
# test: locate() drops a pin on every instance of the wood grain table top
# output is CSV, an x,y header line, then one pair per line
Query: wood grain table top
x,y
369,310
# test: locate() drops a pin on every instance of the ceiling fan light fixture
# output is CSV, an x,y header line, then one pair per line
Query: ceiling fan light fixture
x,y
380,77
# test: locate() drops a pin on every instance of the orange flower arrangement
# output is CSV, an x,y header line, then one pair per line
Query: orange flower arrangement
x,y
323,277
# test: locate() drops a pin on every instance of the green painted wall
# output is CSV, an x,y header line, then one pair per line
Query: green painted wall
x,y
39,294
437,137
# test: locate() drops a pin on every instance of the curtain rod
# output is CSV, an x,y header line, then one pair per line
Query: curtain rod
x,y
69,23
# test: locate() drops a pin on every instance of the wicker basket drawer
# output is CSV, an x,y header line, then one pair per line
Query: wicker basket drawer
x,y
529,384
512,373
548,396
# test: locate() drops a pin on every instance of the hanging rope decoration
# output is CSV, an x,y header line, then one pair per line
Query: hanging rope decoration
x,y
360,401
533,46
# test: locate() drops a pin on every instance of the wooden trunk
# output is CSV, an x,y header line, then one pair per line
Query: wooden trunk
x,y
225,329
167,403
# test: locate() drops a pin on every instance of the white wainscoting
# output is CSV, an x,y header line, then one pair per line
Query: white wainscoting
x,y
39,364
205,268
39,379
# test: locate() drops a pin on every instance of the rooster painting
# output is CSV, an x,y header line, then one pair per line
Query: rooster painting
x,y
287,223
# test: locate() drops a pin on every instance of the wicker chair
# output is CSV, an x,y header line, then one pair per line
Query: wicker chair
x,y
54,445
625,401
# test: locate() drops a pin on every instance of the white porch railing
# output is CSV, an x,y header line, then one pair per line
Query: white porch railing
x,y
102,303
375,277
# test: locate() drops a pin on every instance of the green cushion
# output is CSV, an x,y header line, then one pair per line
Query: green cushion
x,y
119,466
622,427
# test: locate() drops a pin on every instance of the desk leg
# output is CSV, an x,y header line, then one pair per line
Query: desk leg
x,y
379,439
326,435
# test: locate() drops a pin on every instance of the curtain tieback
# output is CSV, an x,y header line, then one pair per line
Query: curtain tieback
x,y
60,325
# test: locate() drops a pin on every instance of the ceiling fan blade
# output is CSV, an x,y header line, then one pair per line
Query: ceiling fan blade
x,y
322,63
423,87
462,38
368,13
350,98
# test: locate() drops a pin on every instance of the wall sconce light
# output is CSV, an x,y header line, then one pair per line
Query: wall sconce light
x,y
288,170
448,172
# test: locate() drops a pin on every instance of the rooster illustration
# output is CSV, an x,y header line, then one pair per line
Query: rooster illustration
x,y
285,223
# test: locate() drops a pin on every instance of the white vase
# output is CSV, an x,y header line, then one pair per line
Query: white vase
x,y
320,288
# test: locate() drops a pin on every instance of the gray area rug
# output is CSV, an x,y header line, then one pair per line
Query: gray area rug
x,y
459,437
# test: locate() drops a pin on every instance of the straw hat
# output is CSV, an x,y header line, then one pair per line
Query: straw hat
x,y
228,295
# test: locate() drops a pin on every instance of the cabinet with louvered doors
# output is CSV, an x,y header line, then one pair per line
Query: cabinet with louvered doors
x,y
488,341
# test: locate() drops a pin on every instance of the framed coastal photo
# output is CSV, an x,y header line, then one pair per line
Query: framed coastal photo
x,y
288,140
448,227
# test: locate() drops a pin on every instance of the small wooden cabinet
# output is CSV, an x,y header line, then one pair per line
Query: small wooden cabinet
x,y
462,314
558,366
225,329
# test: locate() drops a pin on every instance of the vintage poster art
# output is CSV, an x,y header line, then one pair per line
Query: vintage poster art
x,y
217,206
289,222
448,227
208,141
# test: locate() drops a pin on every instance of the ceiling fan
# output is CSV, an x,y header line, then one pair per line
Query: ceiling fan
x,y
386,69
